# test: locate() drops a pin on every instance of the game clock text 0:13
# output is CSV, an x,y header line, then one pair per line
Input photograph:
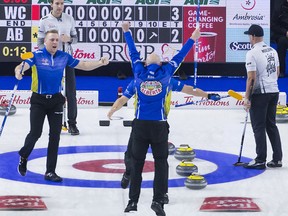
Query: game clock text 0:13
x,y
12,52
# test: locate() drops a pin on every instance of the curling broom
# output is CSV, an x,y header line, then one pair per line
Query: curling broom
x,y
24,56
230,93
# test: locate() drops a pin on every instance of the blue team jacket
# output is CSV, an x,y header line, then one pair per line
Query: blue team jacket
x,y
47,70
152,82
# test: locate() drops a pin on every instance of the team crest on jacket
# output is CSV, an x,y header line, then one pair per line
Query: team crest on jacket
x,y
151,88
45,61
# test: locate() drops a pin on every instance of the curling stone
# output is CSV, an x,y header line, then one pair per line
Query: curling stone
x,y
127,123
281,107
171,148
281,113
184,152
3,108
104,123
186,168
195,182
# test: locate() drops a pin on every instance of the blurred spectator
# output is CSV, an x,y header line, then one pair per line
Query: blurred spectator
x,y
279,28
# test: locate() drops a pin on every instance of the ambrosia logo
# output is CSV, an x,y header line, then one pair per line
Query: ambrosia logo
x,y
248,4
151,88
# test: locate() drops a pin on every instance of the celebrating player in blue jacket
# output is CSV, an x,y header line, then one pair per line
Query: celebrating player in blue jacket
x,y
150,127
47,71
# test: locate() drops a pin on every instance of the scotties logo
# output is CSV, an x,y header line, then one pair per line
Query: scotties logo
x,y
235,46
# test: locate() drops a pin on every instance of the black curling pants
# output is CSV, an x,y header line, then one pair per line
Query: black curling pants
x,y
263,120
70,85
127,156
128,160
145,133
42,106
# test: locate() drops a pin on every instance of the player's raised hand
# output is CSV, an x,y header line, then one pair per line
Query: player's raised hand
x,y
104,61
110,113
18,74
125,26
65,38
214,97
196,34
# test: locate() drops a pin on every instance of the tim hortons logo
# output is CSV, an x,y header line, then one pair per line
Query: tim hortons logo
x,y
205,53
203,102
16,100
22,203
80,54
173,103
240,103
84,101
229,204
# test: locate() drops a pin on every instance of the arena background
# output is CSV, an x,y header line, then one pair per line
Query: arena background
x,y
172,21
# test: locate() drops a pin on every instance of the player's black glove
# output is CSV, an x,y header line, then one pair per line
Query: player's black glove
x,y
214,97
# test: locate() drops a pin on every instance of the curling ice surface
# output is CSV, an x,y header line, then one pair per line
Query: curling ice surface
x,y
211,130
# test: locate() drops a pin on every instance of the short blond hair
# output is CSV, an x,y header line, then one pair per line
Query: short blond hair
x,y
53,31
153,58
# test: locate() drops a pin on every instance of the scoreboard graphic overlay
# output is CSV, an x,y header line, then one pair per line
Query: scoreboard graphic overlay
x,y
157,25
15,29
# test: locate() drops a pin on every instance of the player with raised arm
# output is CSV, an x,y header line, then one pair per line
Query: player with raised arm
x,y
150,126
128,93
47,100
65,24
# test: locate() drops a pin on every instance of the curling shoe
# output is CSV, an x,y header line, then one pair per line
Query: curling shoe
x,y
73,130
132,206
274,164
22,167
254,164
125,180
52,176
166,199
158,208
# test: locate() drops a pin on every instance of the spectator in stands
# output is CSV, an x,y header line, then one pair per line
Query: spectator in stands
x,y
279,27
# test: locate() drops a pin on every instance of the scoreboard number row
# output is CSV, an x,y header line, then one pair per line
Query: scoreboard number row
x,y
138,24
141,35
151,25
128,13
